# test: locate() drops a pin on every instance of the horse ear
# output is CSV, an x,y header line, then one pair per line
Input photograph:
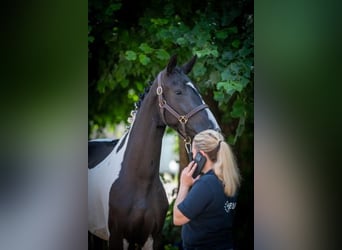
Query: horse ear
x,y
187,67
172,64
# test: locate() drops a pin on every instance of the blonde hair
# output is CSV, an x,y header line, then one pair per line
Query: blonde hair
x,y
220,153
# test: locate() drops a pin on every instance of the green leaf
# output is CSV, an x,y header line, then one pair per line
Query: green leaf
x,y
221,35
124,83
243,52
238,109
159,21
130,55
215,53
169,10
214,76
210,50
229,86
145,48
162,54
227,55
225,75
221,85
113,7
231,140
101,86
144,60
199,70
232,30
236,43
244,81
234,68
235,85
181,41
219,96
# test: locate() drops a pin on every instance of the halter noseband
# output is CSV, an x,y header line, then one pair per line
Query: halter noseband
x,y
183,119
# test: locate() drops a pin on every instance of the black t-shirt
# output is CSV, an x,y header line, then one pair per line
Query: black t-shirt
x,y
211,215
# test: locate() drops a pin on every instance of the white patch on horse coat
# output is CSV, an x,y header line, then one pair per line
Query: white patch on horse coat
x,y
147,246
102,139
125,244
211,117
100,180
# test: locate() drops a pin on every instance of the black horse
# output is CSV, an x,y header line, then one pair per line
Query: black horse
x,y
127,203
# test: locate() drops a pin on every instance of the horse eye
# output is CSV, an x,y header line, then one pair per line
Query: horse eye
x,y
178,92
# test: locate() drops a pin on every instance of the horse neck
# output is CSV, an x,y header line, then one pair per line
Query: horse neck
x,y
142,154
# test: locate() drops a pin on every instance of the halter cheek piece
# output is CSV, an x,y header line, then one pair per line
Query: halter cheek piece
x,y
183,119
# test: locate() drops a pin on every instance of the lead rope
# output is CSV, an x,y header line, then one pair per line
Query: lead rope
x,y
187,145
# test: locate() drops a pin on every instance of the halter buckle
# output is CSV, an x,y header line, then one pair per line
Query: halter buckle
x,y
159,90
162,103
183,119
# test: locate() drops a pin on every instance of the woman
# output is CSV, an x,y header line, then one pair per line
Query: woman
x,y
206,210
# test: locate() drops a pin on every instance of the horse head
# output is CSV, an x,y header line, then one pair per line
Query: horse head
x,y
181,105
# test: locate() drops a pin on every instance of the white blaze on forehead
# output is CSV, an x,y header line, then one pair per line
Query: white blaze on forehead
x,y
192,86
210,114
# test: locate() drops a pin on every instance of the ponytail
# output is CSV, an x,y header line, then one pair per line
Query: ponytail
x,y
226,169
220,153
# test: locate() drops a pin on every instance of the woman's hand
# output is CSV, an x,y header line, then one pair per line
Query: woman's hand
x,y
186,181
186,176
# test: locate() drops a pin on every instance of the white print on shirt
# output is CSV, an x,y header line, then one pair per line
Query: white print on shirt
x,y
229,205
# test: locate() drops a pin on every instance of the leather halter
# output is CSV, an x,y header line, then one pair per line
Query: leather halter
x,y
183,119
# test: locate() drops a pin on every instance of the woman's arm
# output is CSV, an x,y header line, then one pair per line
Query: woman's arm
x,y
186,181
178,217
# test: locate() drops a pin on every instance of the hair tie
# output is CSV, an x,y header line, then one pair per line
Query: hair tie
x,y
218,145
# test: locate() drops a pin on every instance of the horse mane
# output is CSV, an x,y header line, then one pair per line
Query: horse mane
x,y
137,104
142,96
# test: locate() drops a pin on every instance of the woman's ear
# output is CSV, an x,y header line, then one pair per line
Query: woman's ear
x,y
204,153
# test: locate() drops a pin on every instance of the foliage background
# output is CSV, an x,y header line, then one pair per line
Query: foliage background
x,y
129,42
